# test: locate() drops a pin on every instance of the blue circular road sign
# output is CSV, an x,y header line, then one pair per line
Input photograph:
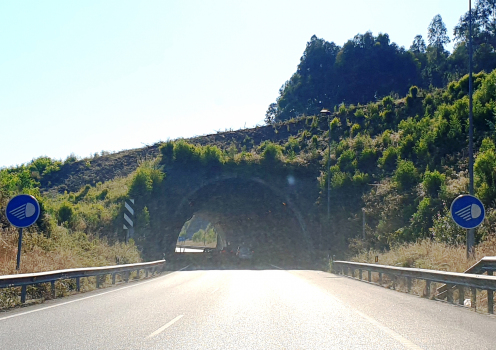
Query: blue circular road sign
x,y
23,210
467,211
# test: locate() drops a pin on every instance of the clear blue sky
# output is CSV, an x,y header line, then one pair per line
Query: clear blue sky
x,y
85,76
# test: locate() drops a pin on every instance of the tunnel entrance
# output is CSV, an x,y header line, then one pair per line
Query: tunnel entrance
x,y
241,213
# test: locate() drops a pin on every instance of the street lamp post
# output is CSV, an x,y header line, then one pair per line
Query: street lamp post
x,y
326,112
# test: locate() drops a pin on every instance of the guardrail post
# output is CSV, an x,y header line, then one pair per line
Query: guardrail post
x,y
137,274
360,274
370,275
490,297
461,295
127,274
78,284
146,273
113,278
408,284
52,289
449,293
427,290
473,298
346,270
23,294
97,281
380,278
490,301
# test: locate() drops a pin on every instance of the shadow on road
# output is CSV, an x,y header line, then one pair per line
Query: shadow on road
x,y
199,261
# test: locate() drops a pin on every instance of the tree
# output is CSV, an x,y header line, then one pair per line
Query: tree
x,y
437,33
271,114
418,45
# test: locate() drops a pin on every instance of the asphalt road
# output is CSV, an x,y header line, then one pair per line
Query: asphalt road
x,y
246,309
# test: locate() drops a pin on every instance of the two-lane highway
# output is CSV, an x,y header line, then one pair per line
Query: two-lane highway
x,y
246,309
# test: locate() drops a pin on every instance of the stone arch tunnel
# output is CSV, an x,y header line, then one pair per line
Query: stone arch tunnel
x,y
262,209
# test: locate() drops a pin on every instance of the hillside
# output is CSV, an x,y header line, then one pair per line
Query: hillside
x,y
400,162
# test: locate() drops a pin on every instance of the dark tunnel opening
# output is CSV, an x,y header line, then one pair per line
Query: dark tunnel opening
x,y
243,213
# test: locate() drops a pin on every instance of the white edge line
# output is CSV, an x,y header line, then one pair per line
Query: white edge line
x,y
184,267
405,342
277,267
163,328
215,290
74,301
396,336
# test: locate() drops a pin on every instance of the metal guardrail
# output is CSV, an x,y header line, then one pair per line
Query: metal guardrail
x,y
23,280
461,280
485,265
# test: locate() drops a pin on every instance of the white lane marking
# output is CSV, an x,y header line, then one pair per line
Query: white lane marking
x,y
405,342
163,328
215,290
74,301
277,267
402,340
184,267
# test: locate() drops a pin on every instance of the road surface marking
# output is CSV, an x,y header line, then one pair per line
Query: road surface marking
x,y
405,342
277,267
163,328
215,290
184,267
74,301
396,336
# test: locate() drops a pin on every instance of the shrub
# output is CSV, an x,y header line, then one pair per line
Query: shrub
x,y
292,145
388,102
386,138
335,123
340,179
345,161
102,195
433,183
485,171
354,129
406,175
367,159
167,152
359,114
71,158
211,156
145,180
414,91
44,165
271,154
186,154
388,160
65,213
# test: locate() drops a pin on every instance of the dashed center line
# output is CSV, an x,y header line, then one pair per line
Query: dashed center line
x,y
163,328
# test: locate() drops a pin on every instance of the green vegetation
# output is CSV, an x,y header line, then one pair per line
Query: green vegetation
x,y
207,236
398,141
368,68
74,230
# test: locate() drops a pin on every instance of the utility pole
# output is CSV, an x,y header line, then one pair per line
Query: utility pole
x,y
470,232
363,223
328,113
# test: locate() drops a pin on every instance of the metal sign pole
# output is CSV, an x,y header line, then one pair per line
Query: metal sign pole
x,y
22,211
470,232
19,245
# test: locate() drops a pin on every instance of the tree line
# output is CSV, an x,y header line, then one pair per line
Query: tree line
x,y
367,67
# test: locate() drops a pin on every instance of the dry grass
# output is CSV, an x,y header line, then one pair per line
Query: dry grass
x,y
62,251
427,254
